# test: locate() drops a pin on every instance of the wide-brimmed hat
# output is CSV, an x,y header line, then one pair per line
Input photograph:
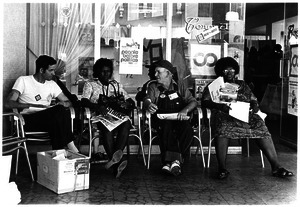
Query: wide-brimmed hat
x,y
166,64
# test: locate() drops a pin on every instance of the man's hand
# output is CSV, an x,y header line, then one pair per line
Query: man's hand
x,y
182,115
152,108
65,103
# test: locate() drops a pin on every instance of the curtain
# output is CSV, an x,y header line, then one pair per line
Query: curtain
x,y
62,30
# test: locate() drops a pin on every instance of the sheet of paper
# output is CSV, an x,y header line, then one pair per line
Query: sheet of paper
x,y
214,89
240,110
172,116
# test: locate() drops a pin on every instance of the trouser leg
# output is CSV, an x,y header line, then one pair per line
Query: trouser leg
x,y
56,121
184,133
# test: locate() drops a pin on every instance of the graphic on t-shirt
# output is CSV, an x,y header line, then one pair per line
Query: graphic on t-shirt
x,y
38,97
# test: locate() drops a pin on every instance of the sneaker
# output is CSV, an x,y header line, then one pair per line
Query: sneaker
x,y
121,167
166,168
117,156
175,168
98,157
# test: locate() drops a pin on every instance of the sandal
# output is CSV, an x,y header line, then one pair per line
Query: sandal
x,y
117,156
223,174
282,173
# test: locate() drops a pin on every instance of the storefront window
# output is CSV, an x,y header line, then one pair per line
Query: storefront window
x,y
190,35
289,85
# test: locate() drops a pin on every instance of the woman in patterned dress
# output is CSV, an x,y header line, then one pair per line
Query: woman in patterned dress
x,y
226,127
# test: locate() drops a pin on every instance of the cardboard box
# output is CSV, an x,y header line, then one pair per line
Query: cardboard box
x,y
63,171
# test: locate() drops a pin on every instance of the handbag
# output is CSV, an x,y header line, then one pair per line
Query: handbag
x,y
116,101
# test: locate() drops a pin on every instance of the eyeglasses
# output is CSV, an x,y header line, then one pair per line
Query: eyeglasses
x,y
226,71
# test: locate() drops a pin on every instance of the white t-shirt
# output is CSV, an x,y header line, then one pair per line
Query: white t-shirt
x,y
32,91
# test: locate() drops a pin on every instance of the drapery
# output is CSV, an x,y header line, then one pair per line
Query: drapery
x,y
62,30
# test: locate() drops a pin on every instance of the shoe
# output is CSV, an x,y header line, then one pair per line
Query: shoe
x,y
282,173
121,167
223,174
166,168
98,157
175,168
117,156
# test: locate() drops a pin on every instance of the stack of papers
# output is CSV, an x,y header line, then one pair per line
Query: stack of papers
x,y
221,92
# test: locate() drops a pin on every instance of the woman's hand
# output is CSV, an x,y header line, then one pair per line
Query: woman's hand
x,y
225,108
102,110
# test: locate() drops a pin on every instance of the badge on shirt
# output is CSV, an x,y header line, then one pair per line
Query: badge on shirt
x,y
162,96
173,96
38,97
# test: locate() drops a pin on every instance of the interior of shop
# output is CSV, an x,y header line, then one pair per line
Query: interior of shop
x,y
261,37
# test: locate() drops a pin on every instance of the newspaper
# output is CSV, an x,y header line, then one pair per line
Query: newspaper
x,y
111,119
226,93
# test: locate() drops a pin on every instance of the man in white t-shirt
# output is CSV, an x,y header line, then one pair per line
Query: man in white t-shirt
x,y
32,95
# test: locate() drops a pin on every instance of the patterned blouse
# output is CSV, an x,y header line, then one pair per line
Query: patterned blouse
x,y
93,88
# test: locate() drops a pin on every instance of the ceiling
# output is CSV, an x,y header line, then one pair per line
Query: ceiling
x,y
256,8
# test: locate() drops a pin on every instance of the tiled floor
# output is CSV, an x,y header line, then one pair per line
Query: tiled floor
x,y
248,183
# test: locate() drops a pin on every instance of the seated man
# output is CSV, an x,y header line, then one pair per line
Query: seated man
x,y
164,96
33,94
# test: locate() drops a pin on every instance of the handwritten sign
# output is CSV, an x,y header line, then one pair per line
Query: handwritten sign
x,y
131,56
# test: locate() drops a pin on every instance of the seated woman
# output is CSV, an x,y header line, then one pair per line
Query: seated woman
x,y
226,127
103,86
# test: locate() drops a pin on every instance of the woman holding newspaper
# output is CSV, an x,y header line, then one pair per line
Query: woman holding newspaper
x,y
109,101
225,126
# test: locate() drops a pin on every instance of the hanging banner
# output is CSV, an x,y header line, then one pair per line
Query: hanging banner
x,y
131,56
204,57
293,92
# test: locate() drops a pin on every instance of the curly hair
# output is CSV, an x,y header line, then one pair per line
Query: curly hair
x,y
100,64
224,63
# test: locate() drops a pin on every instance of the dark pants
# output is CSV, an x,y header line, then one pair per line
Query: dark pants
x,y
56,121
175,139
111,144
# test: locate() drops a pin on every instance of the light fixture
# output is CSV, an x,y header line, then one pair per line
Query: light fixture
x,y
231,15
121,10
178,8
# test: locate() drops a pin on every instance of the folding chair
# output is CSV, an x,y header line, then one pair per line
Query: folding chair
x,y
134,132
16,139
40,136
212,138
197,135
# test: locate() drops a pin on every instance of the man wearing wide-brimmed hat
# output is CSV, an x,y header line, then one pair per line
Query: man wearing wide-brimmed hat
x,y
165,96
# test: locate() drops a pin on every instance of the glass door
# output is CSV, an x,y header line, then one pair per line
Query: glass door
x,y
289,101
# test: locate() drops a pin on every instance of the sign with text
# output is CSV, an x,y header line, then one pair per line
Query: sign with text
x,y
204,57
207,34
293,96
131,56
